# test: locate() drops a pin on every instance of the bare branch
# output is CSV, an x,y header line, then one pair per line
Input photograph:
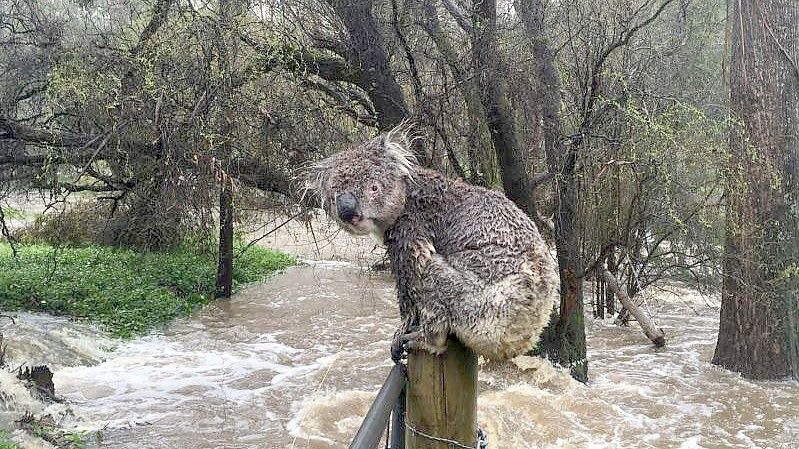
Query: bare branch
x,y
459,15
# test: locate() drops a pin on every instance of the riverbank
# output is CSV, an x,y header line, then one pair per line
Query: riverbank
x,y
124,291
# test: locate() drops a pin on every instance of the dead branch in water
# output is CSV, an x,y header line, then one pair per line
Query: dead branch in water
x,y
655,334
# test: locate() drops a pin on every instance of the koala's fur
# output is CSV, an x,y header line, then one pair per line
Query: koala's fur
x,y
467,261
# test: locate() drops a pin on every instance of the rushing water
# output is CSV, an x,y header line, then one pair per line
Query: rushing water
x,y
296,361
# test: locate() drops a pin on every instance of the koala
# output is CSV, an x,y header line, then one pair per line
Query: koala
x,y
466,260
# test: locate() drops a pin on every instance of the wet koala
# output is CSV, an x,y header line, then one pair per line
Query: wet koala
x,y
467,261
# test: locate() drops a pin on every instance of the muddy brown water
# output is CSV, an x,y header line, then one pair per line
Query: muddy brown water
x,y
296,361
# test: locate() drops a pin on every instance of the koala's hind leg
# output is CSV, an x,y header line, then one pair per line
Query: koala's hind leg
x,y
437,285
430,338
478,312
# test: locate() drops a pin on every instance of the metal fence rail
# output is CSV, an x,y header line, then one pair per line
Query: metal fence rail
x,y
390,402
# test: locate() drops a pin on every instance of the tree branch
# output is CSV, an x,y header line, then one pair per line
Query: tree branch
x,y
459,15
12,130
596,70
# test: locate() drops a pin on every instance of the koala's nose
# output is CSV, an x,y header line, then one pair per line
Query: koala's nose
x,y
347,206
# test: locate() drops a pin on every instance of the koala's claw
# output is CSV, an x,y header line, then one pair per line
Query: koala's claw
x,y
412,336
398,350
422,345
419,340
405,341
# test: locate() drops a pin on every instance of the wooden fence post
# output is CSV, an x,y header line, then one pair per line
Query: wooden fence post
x,y
442,398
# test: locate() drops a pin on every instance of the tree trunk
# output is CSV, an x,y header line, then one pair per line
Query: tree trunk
x,y
513,159
369,55
230,12
759,319
599,297
610,300
224,272
564,340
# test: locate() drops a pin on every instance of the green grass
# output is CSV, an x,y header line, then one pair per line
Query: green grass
x,y
5,441
125,291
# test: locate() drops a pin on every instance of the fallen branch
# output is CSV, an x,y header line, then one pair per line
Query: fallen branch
x,y
655,334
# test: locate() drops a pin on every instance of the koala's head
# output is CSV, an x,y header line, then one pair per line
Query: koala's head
x,y
363,188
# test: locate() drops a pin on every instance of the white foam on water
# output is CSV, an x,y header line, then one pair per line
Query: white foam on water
x,y
329,419
692,443
40,339
151,377
329,264
15,399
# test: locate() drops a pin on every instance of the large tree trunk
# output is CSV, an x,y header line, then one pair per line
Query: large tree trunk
x,y
513,159
759,329
369,56
564,340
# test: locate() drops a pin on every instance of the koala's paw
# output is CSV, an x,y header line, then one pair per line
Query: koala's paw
x,y
398,350
420,340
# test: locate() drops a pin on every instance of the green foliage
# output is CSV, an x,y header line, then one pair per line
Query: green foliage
x,y
45,428
255,264
656,194
13,214
127,292
76,440
5,441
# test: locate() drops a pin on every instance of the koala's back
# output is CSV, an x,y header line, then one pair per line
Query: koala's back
x,y
492,274
490,235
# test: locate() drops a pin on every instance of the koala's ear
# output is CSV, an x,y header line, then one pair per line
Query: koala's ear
x,y
313,178
396,145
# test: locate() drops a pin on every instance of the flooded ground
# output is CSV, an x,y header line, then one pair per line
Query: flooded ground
x,y
295,363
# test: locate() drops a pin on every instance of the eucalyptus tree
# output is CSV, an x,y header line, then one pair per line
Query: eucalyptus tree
x,y
759,330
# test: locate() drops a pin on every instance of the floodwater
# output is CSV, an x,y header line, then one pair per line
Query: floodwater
x,y
295,363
